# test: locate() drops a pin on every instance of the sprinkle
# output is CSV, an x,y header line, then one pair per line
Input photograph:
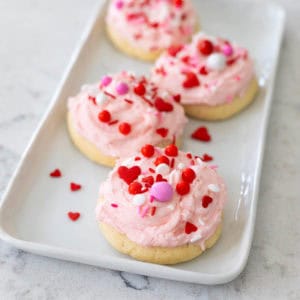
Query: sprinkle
x,y
214,188
189,155
73,216
163,132
206,200
135,187
114,205
148,150
206,157
109,94
153,210
181,166
138,200
92,99
104,116
216,62
188,175
113,122
147,101
162,160
128,101
190,227
161,191
182,188
106,80
75,186
196,238
122,88
137,158
129,174
162,169
100,99
56,173
162,105
125,128
227,50
205,47
172,163
171,150
201,134
151,170
191,80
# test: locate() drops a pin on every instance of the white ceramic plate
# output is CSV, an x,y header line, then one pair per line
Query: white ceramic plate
x,y
33,213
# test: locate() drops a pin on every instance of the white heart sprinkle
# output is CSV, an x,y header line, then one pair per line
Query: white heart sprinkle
x,y
181,166
216,62
162,169
101,98
139,199
214,188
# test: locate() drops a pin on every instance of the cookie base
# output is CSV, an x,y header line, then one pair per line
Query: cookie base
x,y
92,152
224,111
157,255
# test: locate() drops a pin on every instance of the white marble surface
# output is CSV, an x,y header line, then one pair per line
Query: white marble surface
x,y
37,38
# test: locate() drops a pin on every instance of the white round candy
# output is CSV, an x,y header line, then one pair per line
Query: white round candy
x,y
162,169
216,62
138,200
101,98
214,188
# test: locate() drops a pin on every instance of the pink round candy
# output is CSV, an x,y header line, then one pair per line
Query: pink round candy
x,y
119,4
227,50
106,80
122,88
161,191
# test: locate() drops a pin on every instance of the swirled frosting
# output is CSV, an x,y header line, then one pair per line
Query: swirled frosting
x,y
152,25
123,112
187,209
209,71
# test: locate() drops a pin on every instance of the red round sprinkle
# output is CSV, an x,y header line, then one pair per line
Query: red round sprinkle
x,y
182,188
139,89
104,116
171,150
74,186
191,80
148,150
134,187
163,132
173,50
206,47
162,160
73,215
55,173
189,228
201,134
206,200
125,128
188,175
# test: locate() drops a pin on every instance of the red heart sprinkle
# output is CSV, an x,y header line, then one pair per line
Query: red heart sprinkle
x,y
171,150
74,186
188,175
55,173
189,228
162,105
148,150
129,174
201,134
139,89
173,50
160,178
163,132
191,80
177,98
135,188
73,215
162,160
149,180
206,200
206,157
182,188
203,71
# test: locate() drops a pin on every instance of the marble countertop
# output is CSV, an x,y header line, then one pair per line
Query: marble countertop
x,y
38,38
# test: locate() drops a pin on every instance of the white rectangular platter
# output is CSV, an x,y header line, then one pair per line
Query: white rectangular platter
x,y
33,213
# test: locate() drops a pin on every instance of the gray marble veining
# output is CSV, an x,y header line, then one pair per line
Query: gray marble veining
x,y
37,38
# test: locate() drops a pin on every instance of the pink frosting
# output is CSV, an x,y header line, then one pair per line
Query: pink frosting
x,y
116,95
218,86
152,24
167,225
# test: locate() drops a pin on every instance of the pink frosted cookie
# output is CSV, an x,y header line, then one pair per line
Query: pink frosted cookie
x,y
115,117
144,28
161,205
214,77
